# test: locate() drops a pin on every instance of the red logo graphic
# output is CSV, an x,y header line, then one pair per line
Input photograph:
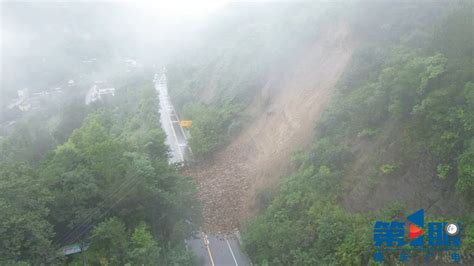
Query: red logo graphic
x,y
415,231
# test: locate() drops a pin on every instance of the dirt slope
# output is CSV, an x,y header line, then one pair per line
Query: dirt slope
x,y
283,117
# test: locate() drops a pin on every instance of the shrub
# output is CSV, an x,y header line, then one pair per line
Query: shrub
x,y
388,168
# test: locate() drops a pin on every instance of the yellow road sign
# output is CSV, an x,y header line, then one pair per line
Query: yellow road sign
x,y
186,123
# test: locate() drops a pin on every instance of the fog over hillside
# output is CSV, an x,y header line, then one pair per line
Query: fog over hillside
x,y
222,132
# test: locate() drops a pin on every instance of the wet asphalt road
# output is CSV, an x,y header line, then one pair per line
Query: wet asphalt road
x,y
217,249
210,248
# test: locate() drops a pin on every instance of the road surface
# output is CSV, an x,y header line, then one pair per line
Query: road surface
x,y
210,248
217,249
175,135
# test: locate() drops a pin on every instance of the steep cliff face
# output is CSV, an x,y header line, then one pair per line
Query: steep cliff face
x,y
281,118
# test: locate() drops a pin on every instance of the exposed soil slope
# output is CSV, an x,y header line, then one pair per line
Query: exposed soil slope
x,y
283,116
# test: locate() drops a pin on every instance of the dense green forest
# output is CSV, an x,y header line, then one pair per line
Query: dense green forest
x,y
107,185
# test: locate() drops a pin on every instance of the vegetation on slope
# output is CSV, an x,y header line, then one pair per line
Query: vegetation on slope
x,y
412,74
213,82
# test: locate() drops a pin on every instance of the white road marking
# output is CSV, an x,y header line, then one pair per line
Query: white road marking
x,y
231,252
168,112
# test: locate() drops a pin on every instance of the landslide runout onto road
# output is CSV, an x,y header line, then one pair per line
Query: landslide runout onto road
x,y
284,113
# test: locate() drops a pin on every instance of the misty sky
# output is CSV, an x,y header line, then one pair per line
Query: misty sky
x,y
43,41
